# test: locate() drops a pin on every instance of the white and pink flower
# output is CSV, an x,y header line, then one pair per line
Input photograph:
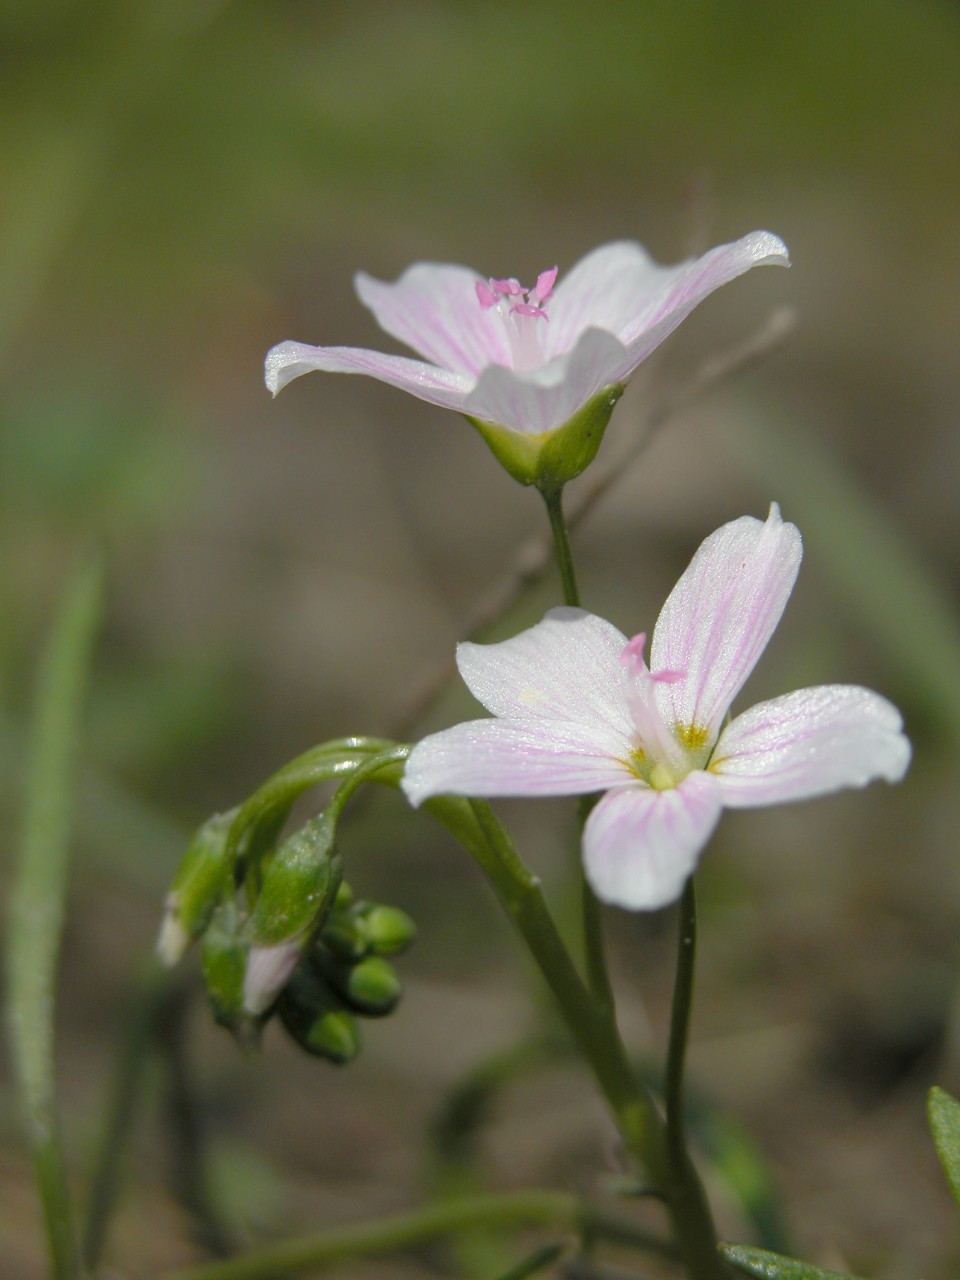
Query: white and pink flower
x,y
527,359
576,710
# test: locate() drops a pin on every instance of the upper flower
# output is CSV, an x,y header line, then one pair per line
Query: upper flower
x,y
527,359
577,710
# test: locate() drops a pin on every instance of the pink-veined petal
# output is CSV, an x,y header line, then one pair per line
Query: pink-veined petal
x,y
675,291
640,845
289,360
719,617
808,743
605,290
434,309
619,288
537,400
566,668
507,758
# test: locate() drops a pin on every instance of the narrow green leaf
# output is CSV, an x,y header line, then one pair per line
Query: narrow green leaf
x,y
773,1266
38,895
943,1112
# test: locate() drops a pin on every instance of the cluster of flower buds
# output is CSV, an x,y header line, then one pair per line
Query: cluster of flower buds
x,y
282,934
344,975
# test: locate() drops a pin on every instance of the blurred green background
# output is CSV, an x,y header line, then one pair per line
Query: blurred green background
x,y
185,184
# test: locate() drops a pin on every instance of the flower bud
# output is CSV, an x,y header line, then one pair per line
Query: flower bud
x,y
370,987
344,934
223,960
299,886
197,888
316,1019
388,930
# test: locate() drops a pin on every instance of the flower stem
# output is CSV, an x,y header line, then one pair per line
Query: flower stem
x,y
561,545
407,1230
688,1194
594,1028
594,952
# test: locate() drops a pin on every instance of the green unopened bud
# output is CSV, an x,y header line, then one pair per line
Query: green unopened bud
x,y
345,935
299,887
388,930
549,459
197,888
344,896
371,987
317,1020
333,1035
223,959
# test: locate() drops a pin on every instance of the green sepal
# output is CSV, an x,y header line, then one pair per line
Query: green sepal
x,y
197,887
773,1266
223,961
943,1113
549,459
315,1018
300,884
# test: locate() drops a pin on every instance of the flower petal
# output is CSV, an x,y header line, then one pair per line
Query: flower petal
x,y
673,292
605,290
433,308
619,288
719,617
640,845
537,400
566,668
288,360
808,743
507,758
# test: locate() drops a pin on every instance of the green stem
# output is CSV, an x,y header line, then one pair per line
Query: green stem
x,y
561,545
595,1030
598,976
688,1190
122,1099
680,1020
407,1230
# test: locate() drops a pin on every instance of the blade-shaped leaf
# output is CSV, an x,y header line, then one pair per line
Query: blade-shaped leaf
x,y
773,1266
943,1112
37,898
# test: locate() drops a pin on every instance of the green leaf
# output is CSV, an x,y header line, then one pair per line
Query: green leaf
x,y
38,896
943,1112
773,1266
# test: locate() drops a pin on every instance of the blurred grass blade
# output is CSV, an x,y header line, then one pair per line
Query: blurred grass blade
x,y
773,1266
37,899
943,1113
881,577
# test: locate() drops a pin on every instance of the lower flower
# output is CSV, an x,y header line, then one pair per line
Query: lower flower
x,y
576,710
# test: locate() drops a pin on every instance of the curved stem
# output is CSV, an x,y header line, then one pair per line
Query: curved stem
x,y
406,1230
595,1030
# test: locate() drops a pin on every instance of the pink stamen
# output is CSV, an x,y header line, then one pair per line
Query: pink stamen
x,y
517,306
528,309
544,286
655,735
